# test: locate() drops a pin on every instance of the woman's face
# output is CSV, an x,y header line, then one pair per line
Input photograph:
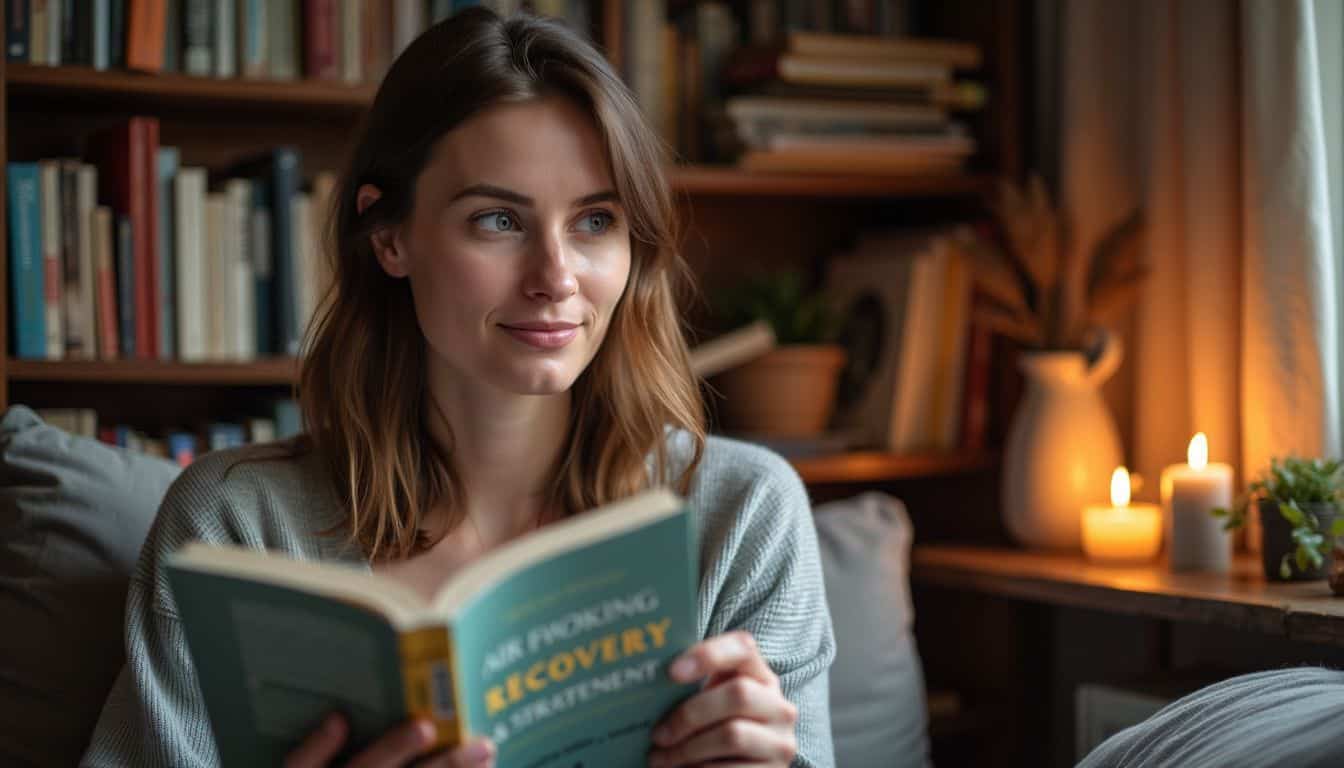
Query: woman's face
x,y
517,249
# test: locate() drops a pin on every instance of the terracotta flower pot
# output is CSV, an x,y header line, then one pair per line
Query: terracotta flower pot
x,y
788,392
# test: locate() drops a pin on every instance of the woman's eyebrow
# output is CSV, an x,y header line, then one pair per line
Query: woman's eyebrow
x,y
508,195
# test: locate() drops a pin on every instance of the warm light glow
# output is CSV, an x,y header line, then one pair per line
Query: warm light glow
x,y
1120,487
1197,455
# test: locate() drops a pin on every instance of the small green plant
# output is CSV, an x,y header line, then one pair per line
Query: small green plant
x,y
797,315
1292,483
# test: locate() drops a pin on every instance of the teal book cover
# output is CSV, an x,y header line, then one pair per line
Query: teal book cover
x,y
556,646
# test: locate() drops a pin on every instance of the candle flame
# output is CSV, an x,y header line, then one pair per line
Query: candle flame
x,y
1197,456
1120,487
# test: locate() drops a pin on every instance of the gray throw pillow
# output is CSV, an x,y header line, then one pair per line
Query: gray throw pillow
x,y
73,515
878,711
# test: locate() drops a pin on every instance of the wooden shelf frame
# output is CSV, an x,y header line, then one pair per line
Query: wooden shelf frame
x,y
279,371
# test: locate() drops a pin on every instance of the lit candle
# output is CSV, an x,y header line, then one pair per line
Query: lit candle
x,y
1196,540
1122,532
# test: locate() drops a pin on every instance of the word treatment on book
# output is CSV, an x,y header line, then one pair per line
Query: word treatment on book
x,y
555,645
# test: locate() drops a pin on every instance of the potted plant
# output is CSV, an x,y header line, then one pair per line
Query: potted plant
x,y
790,390
1056,301
1300,522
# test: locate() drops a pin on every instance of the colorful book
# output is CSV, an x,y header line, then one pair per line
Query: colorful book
x,y
276,177
28,313
182,448
17,15
145,24
555,645
320,60
106,314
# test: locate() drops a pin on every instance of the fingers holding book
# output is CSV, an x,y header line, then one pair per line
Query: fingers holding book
x,y
397,747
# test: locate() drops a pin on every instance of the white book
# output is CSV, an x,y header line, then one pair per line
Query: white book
x,y
219,273
408,22
226,38
241,290
306,252
191,275
55,21
261,430
352,41
53,278
86,200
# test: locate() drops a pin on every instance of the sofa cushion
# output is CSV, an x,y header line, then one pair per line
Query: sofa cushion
x,y
73,515
878,714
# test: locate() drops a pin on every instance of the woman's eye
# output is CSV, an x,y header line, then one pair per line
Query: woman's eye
x,y
597,222
497,221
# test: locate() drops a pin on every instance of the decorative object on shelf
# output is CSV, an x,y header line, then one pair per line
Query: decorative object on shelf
x,y
1055,300
1121,532
790,390
1195,540
1298,500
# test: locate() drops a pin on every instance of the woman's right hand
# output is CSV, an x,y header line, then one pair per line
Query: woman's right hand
x,y
397,747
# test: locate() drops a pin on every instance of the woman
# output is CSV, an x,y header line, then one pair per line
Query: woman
x,y
501,349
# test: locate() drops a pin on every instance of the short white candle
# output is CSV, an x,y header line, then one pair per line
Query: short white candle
x,y
1196,540
1121,532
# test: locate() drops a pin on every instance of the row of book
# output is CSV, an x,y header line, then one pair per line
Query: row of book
x,y
350,41
181,446
919,372
130,254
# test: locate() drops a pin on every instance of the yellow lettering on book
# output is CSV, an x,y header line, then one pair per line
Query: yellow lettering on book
x,y
606,649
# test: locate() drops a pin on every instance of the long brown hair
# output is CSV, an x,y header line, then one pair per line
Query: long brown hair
x,y
363,380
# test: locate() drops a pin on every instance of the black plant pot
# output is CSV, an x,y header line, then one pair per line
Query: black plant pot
x,y
1278,539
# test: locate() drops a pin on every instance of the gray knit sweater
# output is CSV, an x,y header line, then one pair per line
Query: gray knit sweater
x,y
759,571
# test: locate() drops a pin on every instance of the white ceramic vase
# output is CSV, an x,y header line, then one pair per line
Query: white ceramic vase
x,y
1062,446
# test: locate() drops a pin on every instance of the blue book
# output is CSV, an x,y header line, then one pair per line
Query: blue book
x,y
288,419
16,30
26,289
182,448
102,34
222,435
172,36
169,159
555,646
277,176
124,239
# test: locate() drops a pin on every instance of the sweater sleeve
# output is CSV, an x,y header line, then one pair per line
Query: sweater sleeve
x,y
154,714
772,587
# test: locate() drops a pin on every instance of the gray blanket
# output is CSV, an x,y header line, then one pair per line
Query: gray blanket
x,y
1287,717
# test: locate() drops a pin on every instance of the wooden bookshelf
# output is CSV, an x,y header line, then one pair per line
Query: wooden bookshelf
x,y
878,466
272,371
712,181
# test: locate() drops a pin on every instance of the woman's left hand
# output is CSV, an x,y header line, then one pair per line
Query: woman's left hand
x,y
740,716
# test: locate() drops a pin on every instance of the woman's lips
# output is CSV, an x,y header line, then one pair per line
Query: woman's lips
x,y
542,337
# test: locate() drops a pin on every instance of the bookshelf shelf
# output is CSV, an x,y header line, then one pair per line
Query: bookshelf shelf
x,y
134,90
707,180
877,466
280,371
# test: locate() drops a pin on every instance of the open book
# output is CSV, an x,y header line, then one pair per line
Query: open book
x,y
554,645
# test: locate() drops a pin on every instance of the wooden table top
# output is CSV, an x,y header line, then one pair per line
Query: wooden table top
x,y
1240,598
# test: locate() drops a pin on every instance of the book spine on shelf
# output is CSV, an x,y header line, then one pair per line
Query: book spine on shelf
x,y
190,268
17,17
319,40
102,34
263,269
105,301
116,27
282,41
78,342
86,202
124,239
144,35
145,216
67,32
25,265
225,38
252,51
53,272
172,35
197,36
182,448
217,270
242,332
975,399
352,41
168,161
37,31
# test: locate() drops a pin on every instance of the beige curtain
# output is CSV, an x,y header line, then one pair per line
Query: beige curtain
x,y
1222,119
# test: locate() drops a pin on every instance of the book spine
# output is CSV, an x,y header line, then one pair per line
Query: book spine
x,y
217,271
197,34
263,270
352,41
102,35
225,39
18,15
182,448
319,39
241,333
975,398
167,242
37,32
428,674
252,38
172,35
25,215
190,269
145,31
285,181
127,309
116,47
408,23
55,20
78,344
377,33
67,32
53,273
86,201
109,347
143,211
282,41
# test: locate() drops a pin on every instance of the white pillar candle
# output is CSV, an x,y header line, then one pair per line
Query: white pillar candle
x,y
1121,532
1196,540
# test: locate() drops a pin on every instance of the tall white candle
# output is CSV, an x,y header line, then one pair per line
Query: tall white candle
x,y
1196,540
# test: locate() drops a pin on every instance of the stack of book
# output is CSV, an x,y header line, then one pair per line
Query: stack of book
x,y
281,421
128,254
350,41
851,104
